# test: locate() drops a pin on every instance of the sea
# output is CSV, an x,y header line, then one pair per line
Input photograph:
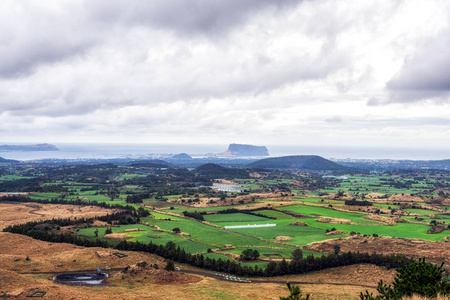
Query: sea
x,y
139,151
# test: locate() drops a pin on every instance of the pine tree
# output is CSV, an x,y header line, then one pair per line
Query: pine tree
x,y
418,277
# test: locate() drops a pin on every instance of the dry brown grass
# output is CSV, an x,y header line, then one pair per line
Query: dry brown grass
x,y
12,214
283,238
434,251
18,276
333,220
415,297
404,198
150,283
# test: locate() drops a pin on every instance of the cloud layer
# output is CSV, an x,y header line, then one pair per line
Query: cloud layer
x,y
261,71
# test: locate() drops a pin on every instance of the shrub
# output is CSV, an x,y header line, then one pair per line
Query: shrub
x,y
170,266
296,293
418,277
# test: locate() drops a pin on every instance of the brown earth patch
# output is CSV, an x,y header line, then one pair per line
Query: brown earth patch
x,y
334,220
434,251
117,236
282,238
298,223
405,198
381,219
12,214
335,232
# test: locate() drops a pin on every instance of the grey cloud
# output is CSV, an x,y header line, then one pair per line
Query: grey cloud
x,y
334,119
426,75
205,17
33,34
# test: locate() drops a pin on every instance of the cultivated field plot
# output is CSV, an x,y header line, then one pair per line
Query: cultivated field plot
x,y
237,217
384,185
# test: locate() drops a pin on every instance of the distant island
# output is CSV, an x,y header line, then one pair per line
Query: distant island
x,y
247,150
23,148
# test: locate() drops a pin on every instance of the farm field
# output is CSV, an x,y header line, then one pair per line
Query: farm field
x,y
382,184
236,217
309,211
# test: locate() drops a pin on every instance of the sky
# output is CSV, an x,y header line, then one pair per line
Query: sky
x,y
317,72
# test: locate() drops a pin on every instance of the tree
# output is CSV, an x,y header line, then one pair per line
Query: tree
x,y
297,254
176,230
296,293
171,245
170,266
336,249
418,277
249,254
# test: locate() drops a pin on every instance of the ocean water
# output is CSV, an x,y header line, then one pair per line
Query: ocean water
x,y
105,151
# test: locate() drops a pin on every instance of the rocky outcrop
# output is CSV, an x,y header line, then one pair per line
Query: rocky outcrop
x,y
247,150
37,147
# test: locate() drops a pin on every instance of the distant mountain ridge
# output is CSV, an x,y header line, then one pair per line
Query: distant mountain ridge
x,y
150,163
4,160
298,162
391,164
217,171
36,147
247,150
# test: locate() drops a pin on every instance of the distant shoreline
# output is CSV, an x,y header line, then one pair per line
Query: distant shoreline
x,y
108,151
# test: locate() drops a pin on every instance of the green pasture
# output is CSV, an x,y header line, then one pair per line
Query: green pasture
x,y
164,216
301,235
101,230
375,183
12,177
235,217
207,209
43,196
130,176
386,206
325,212
401,230
207,235
424,212
161,238
275,214
320,202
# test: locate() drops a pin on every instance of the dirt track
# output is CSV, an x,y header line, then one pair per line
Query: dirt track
x,y
209,275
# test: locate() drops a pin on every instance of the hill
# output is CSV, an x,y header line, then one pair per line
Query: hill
x,y
247,150
181,156
216,171
8,161
151,163
37,147
298,162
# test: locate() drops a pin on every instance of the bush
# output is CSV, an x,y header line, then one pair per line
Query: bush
x,y
418,277
170,266
296,293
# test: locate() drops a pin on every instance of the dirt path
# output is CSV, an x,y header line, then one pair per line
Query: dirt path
x,y
217,277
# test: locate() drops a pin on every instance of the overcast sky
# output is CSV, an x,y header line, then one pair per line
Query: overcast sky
x,y
372,73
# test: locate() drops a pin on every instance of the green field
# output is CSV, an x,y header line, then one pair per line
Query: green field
x,y
237,217
421,211
275,214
